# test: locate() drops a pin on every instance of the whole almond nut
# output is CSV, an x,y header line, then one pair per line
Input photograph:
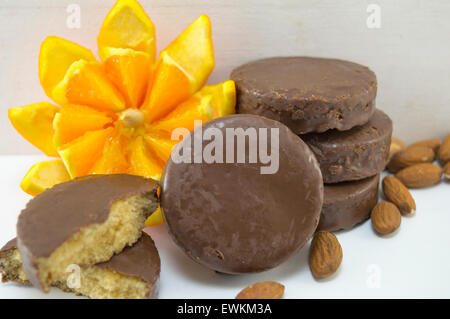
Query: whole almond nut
x,y
444,151
410,156
262,290
447,170
385,218
397,193
396,146
420,175
432,143
325,254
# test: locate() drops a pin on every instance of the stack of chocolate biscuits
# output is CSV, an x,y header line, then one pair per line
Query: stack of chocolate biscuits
x,y
330,104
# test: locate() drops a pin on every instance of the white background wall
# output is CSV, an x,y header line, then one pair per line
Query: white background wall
x,y
410,53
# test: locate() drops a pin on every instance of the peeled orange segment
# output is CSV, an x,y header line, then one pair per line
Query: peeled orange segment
x,y
128,26
142,162
80,155
182,68
113,159
55,58
224,97
162,147
72,121
35,123
197,108
130,71
155,219
86,83
44,175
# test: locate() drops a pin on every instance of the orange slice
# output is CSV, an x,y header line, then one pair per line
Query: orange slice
x,y
113,159
183,67
155,219
128,26
224,97
34,123
86,83
142,162
55,58
162,147
72,121
130,71
197,108
44,175
80,155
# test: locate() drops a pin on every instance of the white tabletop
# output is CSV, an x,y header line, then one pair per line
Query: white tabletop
x,y
412,263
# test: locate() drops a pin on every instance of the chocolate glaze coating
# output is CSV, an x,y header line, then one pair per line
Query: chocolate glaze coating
x,y
232,219
348,204
355,154
140,260
53,216
307,94
12,244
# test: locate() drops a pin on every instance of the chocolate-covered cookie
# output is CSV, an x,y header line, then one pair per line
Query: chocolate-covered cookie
x,y
307,94
347,204
355,154
83,221
133,273
240,210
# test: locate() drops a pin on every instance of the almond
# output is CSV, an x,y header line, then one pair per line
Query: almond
x,y
397,145
410,156
420,175
262,290
397,193
432,143
385,218
325,254
444,151
447,170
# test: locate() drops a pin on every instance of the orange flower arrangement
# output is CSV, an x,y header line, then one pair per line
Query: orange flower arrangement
x,y
117,115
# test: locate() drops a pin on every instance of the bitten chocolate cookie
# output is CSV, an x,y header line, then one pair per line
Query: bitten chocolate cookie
x,y
307,94
355,154
132,274
83,221
238,210
347,204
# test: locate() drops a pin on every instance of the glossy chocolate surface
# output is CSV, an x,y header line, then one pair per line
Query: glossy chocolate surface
x,y
231,218
355,154
348,204
307,94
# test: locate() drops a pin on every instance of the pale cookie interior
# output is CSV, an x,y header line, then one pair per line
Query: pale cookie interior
x,y
99,242
99,283
11,266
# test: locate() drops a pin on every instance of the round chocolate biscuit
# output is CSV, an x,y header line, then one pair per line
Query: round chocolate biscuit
x,y
355,154
307,94
233,214
347,204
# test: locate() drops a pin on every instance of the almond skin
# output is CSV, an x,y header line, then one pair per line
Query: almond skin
x,y
397,145
420,175
410,156
433,143
385,218
447,170
398,194
444,151
325,254
262,290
